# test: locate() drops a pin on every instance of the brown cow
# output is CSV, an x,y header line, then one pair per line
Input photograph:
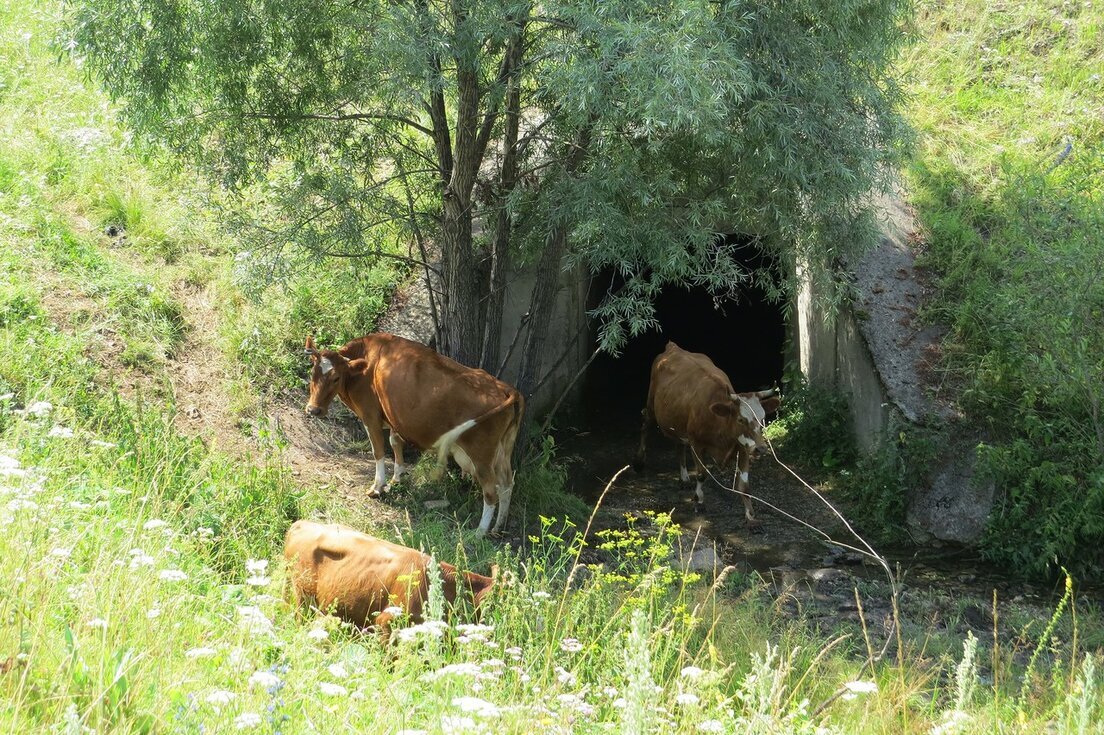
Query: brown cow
x,y
428,400
692,401
332,567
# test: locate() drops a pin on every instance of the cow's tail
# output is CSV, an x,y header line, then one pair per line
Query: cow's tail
x,y
504,453
445,442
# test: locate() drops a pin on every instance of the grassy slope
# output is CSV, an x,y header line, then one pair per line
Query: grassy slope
x,y
1009,103
127,606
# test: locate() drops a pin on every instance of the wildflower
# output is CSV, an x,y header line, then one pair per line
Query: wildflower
x,y
953,723
254,620
318,634
219,697
98,623
204,532
576,703
338,671
60,432
460,669
265,679
565,677
686,699
256,566
332,690
541,595
513,652
411,732
201,652
154,524
691,672
38,409
102,444
392,610
172,575
139,558
153,612
474,628
609,692
432,628
477,706
450,724
247,720
61,552
711,726
571,645
855,688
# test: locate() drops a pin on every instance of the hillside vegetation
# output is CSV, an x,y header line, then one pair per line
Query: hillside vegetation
x,y
143,582
1008,101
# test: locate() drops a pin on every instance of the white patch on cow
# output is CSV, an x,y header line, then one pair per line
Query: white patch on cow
x,y
485,522
381,477
743,478
683,474
750,409
399,470
746,441
445,441
325,365
699,493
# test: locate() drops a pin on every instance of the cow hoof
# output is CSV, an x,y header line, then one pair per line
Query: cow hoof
x,y
376,492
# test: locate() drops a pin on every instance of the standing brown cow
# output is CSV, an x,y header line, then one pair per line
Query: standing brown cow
x,y
361,578
428,400
692,401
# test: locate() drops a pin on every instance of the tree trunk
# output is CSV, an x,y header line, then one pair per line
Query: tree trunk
x,y
504,224
540,309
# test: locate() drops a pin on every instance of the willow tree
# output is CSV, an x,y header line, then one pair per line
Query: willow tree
x,y
602,133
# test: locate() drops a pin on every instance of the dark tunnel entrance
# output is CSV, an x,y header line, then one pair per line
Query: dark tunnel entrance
x,y
744,337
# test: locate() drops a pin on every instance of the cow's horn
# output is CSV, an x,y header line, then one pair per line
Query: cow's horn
x,y
766,393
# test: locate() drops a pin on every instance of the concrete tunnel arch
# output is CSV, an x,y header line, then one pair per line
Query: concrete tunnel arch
x,y
745,337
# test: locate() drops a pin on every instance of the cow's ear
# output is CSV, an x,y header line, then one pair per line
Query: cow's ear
x,y
723,409
310,349
770,405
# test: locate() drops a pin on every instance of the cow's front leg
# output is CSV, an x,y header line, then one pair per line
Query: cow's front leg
x,y
743,487
397,450
375,435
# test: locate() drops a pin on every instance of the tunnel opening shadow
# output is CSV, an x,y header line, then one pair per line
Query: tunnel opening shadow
x,y
743,336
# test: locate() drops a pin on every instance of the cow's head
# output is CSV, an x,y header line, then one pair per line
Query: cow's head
x,y
327,372
743,418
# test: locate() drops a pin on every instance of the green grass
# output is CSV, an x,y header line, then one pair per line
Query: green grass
x,y
132,601
1007,186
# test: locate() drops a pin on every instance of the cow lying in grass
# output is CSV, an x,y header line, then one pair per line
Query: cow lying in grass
x,y
693,402
428,400
367,581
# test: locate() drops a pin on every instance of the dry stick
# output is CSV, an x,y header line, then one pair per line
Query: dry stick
x,y
866,633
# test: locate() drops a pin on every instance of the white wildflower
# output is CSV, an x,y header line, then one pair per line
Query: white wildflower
x,y
571,645
219,697
432,628
691,672
60,432
686,699
264,679
855,688
954,722
172,575
201,652
541,595
153,613
61,552
256,566
451,724
38,409
332,690
247,720
102,444
253,619
392,610
513,652
460,669
154,524
204,532
475,705
318,634
97,623
565,677
338,671
711,726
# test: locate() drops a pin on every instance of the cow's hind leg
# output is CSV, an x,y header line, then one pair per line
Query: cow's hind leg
x,y
397,450
490,500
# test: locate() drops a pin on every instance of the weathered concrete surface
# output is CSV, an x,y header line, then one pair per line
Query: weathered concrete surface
x,y
878,353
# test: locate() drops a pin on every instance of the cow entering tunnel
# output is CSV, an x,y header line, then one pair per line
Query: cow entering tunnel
x,y
745,337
